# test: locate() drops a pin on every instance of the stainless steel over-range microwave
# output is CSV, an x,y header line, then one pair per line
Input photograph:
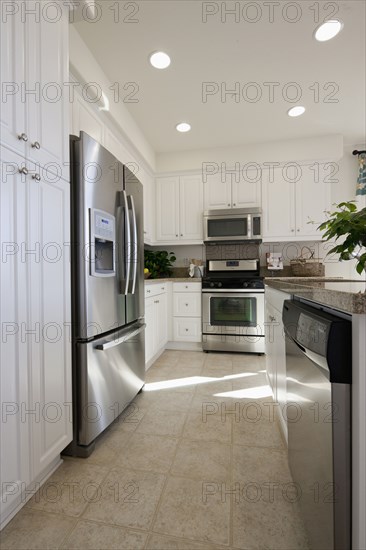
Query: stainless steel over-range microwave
x,y
233,225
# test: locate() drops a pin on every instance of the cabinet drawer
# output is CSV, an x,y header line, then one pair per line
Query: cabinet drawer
x,y
187,329
154,289
187,304
187,287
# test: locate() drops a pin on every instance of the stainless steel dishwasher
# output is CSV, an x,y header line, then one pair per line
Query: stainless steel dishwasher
x,y
319,375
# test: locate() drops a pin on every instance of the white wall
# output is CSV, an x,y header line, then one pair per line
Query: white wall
x,y
86,69
307,149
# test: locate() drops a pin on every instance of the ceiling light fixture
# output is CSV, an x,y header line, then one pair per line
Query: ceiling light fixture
x,y
183,127
296,111
160,60
328,30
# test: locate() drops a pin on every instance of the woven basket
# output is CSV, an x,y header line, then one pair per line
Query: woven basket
x,y
307,267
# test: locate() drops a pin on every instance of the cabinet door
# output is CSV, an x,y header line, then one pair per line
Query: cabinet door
x,y
313,198
186,304
14,433
84,118
278,204
167,209
48,266
150,330
270,337
161,304
191,208
149,207
12,112
246,193
217,193
46,72
188,329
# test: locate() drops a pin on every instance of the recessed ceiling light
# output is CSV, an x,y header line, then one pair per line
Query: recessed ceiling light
x,y
183,127
328,30
296,111
160,60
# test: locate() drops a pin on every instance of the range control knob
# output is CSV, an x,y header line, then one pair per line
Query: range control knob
x,y
245,285
219,285
212,285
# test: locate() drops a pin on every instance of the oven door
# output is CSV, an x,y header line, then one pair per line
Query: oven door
x,y
233,313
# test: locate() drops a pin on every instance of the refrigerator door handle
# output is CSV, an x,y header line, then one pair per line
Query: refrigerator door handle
x,y
114,343
134,244
127,242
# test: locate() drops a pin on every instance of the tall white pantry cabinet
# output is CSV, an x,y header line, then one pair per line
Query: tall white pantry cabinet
x,y
36,421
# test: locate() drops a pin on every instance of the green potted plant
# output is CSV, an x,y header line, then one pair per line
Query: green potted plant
x,y
350,223
159,263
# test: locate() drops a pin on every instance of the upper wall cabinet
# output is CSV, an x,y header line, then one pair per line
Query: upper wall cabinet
x,y
34,61
232,191
295,200
179,209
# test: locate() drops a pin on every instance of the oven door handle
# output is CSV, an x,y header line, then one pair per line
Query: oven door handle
x,y
233,291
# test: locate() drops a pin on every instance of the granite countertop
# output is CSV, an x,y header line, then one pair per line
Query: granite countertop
x,y
342,294
174,280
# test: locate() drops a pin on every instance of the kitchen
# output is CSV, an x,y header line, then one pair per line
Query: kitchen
x,y
161,475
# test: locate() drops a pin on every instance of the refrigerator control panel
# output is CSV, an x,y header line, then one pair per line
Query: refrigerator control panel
x,y
102,243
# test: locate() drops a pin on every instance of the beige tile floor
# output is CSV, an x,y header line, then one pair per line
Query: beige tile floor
x,y
198,462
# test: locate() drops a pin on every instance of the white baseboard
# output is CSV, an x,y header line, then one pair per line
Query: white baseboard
x,y
30,490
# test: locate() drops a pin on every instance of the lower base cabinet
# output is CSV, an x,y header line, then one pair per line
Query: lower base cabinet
x,y
276,352
156,313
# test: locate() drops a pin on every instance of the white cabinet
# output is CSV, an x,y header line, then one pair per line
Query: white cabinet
x,y
35,272
35,305
217,192
15,466
187,312
34,64
156,319
276,351
179,209
292,200
86,120
232,191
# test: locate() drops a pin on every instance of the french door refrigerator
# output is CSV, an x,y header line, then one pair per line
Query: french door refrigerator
x,y
107,261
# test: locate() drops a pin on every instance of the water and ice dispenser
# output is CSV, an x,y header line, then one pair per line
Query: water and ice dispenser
x,y
103,244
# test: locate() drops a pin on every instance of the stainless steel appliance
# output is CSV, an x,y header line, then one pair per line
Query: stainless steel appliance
x,y
233,306
107,289
233,225
319,371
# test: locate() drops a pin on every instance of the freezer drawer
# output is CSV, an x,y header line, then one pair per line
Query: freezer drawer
x,y
111,371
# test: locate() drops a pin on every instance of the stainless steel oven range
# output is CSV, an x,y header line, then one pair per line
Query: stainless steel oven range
x,y
233,307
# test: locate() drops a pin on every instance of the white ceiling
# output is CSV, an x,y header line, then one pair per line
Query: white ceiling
x,y
232,52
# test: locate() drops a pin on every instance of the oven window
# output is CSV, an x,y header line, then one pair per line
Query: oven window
x,y
229,227
238,311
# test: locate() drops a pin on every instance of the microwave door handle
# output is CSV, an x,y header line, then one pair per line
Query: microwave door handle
x,y
134,244
249,226
127,242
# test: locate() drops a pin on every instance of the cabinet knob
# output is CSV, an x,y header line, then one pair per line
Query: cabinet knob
x,y
23,137
157,301
187,305
177,235
292,230
186,330
271,318
298,229
181,234
186,286
234,204
148,291
23,170
36,145
36,177
229,204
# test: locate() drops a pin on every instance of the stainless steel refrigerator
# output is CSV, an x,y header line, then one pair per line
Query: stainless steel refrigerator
x,y
107,261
